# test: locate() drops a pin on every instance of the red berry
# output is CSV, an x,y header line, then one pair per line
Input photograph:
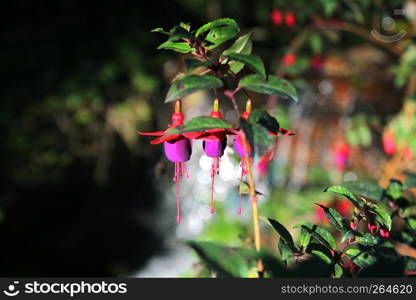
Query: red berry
x,y
389,143
384,233
290,19
289,59
353,225
277,17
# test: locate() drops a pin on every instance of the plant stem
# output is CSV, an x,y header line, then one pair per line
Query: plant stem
x,y
254,205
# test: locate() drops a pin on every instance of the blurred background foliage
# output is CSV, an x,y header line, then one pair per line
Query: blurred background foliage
x,y
83,195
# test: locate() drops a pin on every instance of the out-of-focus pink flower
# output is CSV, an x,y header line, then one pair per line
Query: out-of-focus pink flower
x,y
341,153
389,143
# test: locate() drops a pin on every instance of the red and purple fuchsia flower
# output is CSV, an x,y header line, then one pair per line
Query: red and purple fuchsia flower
x,y
177,148
241,148
177,143
214,143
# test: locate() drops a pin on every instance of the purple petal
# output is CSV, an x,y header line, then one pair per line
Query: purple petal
x,y
214,148
179,150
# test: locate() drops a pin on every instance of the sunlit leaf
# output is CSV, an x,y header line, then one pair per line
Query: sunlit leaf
x,y
242,45
191,84
361,258
252,61
395,189
343,192
272,86
218,31
180,47
367,190
335,218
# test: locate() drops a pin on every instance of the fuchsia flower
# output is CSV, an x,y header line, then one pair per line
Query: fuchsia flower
x,y
177,148
341,154
389,143
238,144
214,143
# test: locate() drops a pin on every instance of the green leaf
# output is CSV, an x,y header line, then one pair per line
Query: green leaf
x,y
347,235
344,192
272,264
245,189
252,61
410,181
367,190
228,262
395,189
218,31
282,231
242,45
263,118
261,136
320,252
338,271
178,33
315,41
367,239
159,30
381,216
329,7
321,235
192,64
191,84
412,223
272,86
180,47
335,218
200,124
304,237
286,251
249,133
361,258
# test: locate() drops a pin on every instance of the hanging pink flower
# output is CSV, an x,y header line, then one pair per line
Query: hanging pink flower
x,y
389,143
214,143
341,153
177,148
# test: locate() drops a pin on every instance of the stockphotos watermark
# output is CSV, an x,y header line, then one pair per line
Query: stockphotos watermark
x,y
388,24
63,288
